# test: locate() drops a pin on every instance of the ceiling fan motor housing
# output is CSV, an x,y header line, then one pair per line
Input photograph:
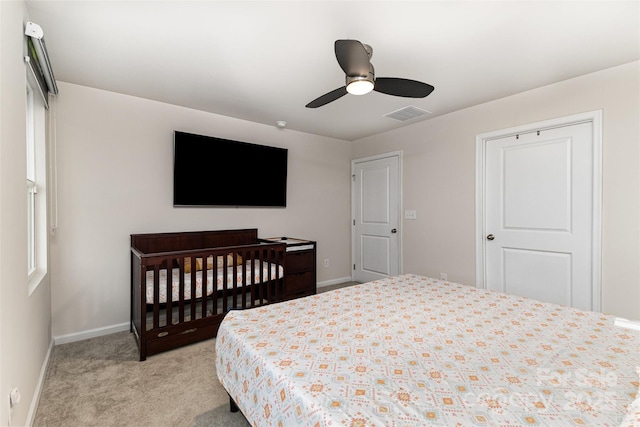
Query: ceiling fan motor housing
x,y
369,78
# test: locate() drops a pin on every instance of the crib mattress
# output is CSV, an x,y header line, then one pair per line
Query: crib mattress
x,y
252,276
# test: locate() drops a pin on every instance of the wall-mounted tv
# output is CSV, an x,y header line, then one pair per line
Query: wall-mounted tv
x,y
209,171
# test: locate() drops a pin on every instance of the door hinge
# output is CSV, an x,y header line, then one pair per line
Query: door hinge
x,y
354,266
354,222
353,178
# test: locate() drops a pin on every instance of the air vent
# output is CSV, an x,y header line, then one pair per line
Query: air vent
x,y
407,113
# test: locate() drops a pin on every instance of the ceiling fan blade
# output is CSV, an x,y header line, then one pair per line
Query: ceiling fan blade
x,y
402,87
328,97
352,57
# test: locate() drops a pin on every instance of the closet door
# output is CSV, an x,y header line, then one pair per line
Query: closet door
x,y
539,215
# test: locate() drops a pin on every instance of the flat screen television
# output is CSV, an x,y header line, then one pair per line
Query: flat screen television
x,y
209,171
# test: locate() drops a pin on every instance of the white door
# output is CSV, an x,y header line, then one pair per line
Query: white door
x,y
375,218
538,215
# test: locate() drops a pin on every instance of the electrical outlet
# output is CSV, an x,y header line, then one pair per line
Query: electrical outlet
x,y
326,262
443,276
14,397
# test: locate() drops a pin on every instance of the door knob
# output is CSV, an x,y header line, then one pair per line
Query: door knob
x,y
491,237
394,231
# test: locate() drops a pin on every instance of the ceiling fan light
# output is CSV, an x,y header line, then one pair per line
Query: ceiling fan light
x,y
360,86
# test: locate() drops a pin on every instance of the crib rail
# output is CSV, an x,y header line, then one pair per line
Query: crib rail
x,y
182,296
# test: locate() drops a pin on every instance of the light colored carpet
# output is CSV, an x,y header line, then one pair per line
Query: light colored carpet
x,y
100,382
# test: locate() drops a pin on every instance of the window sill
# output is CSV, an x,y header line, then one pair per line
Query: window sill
x,y
35,279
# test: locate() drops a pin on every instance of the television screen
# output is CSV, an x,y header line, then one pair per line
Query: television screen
x,y
210,171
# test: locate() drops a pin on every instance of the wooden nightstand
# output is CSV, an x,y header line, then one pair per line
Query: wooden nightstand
x,y
299,267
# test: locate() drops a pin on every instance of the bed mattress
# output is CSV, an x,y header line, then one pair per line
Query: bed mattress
x,y
411,350
252,275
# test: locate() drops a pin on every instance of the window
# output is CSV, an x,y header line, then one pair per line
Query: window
x,y
31,184
39,83
36,185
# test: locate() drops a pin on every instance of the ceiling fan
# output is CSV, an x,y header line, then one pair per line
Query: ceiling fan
x,y
354,59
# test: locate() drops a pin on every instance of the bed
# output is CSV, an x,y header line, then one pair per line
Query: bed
x,y
183,284
411,350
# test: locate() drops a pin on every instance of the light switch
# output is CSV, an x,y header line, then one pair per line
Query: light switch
x,y
410,215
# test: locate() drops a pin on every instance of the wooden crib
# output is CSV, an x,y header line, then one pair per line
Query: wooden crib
x,y
183,284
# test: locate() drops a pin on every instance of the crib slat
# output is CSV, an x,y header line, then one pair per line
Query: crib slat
x,y
169,309
264,292
214,304
248,263
248,283
156,296
224,285
235,282
277,262
279,280
205,277
274,261
273,282
181,291
244,279
260,261
254,291
263,285
192,300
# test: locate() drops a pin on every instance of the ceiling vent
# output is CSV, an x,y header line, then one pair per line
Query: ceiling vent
x,y
407,113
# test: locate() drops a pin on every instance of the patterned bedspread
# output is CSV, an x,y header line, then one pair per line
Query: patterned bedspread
x,y
409,351
259,268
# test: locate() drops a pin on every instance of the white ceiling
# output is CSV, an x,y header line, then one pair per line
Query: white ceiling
x,y
263,61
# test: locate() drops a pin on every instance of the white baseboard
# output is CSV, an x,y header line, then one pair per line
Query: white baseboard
x,y
38,391
91,333
333,282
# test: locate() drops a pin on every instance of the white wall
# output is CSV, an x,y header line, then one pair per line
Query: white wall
x,y
115,171
25,320
439,177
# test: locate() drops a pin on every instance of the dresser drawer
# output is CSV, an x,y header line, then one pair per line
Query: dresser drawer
x,y
300,261
300,283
